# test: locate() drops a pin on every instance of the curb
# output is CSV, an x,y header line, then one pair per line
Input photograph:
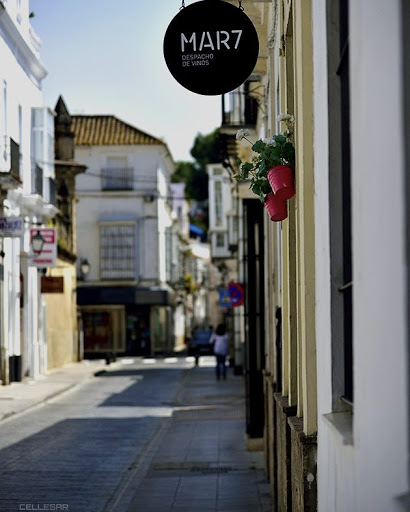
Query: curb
x,y
53,395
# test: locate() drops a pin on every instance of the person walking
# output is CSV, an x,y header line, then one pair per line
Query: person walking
x,y
220,341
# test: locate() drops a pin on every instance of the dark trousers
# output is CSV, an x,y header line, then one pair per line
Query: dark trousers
x,y
220,364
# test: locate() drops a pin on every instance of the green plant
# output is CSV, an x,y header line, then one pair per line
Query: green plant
x,y
189,283
277,150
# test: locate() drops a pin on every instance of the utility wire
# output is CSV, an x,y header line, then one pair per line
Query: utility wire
x,y
140,178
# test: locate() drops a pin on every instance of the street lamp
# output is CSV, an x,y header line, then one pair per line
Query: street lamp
x,y
84,267
37,243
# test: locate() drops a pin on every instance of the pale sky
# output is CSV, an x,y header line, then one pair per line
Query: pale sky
x,y
106,57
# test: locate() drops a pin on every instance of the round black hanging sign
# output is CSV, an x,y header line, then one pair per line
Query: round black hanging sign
x,y
211,47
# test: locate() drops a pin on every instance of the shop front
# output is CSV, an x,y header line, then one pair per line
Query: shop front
x,y
124,320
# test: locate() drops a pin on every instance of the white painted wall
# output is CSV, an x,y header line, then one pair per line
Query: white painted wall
x,y
379,293
370,473
181,207
21,75
151,175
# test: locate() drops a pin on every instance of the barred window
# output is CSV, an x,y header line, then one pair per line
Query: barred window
x,y
220,240
117,178
117,251
117,175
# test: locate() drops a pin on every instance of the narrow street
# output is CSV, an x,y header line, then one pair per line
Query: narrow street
x,y
75,450
151,435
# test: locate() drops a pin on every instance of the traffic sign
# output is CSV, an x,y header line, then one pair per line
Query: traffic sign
x,y
237,294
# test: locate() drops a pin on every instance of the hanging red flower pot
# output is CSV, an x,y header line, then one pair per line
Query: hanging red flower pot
x,y
281,181
276,207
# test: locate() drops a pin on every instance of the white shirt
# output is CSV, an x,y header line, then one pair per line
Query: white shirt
x,y
220,344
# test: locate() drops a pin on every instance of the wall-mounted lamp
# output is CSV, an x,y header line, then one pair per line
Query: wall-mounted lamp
x,y
84,267
37,243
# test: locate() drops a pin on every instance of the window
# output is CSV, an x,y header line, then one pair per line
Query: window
x,y
14,157
117,175
104,329
346,287
42,142
340,206
117,251
37,180
220,240
218,203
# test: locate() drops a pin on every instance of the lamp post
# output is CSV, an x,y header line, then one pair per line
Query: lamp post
x,y
37,243
84,267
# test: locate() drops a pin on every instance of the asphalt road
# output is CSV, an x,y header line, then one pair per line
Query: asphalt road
x,y
75,452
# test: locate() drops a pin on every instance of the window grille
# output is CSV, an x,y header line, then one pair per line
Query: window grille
x,y
117,179
117,251
220,240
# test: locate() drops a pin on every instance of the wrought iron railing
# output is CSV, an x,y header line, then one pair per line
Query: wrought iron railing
x,y
37,186
14,158
52,199
241,110
117,178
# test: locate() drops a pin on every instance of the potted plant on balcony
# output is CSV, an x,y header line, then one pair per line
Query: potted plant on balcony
x,y
271,170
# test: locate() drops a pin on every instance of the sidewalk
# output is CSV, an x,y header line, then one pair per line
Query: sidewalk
x,y
20,397
197,460
201,462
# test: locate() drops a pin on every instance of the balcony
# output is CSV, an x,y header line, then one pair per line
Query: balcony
x,y
11,179
14,158
219,245
117,179
52,199
239,110
37,180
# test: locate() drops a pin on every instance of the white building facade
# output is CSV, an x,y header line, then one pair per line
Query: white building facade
x,y
126,231
336,418
27,191
224,210
363,441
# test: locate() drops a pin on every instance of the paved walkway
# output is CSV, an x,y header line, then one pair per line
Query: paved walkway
x,y
201,462
198,461
20,397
